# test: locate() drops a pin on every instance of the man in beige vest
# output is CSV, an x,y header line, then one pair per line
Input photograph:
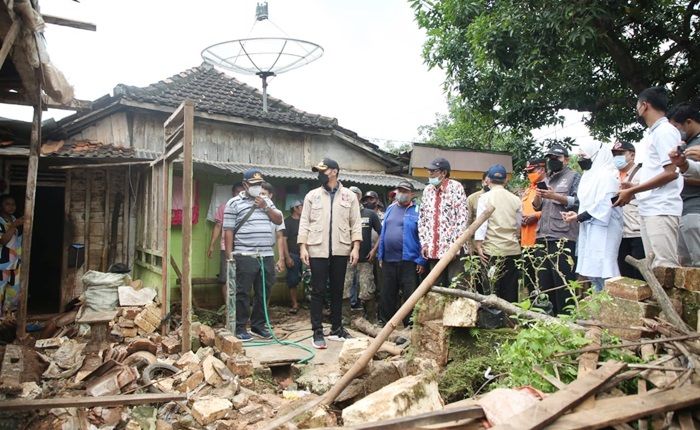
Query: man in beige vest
x,y
497,241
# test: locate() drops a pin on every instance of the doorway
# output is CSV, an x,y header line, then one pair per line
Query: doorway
x,y
47,247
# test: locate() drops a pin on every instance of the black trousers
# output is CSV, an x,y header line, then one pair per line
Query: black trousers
x,y
453,269
506,278
630,246
554,263
324,272
249,276
400,276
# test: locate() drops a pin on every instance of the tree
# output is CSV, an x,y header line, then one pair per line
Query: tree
x,y
523,61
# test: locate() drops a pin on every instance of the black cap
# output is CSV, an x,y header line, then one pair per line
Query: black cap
x,y
253,176
406,185
558,150
325,164
623,146
371,194
439,164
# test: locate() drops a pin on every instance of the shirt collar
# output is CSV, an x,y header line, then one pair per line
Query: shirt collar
x,y
658,122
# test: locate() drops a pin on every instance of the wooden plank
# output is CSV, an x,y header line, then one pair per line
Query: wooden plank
x,y
12,368
88,401
685,421
100,165
588,362
187,175
175,118
174,137
29,199
554,406
9,41
618,410
65,22
65,278
427,419
107,226
88,203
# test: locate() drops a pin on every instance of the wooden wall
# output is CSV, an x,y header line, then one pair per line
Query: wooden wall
x,y
219,141
96,202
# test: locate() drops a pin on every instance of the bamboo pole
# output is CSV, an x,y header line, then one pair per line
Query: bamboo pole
x,y
390,326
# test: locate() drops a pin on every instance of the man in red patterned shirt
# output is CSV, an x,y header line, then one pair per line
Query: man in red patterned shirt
x,y
443,217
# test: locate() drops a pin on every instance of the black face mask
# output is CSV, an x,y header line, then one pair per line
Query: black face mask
x,y
555,165
370,205
486,188
322,178
585,163
641,121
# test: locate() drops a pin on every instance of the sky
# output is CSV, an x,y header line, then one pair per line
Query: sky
x,y
372,77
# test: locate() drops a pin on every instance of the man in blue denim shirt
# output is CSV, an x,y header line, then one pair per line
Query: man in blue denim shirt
x,y
399,252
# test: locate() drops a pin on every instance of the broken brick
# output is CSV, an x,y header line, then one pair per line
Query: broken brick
x,y
211,375
621,315
171,345
241,366
206,335
207,410
687,278
141,345
227,343
191,382
460,312
431,340
189,361
628,288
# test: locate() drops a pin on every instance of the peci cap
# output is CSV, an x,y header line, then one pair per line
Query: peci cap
x,y
439,164
406,185
535,163
558,150
296,203
497,171
325,164
623,146
253,176
371,194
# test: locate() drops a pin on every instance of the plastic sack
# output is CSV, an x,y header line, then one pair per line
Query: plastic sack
x,y
101,292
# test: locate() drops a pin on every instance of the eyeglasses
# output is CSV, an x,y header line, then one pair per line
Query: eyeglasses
x,y
432,170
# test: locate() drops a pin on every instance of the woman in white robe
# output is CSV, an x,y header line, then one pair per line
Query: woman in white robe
x,y
600,224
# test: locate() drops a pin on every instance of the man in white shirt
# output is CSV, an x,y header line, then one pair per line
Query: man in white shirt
x,y
659,190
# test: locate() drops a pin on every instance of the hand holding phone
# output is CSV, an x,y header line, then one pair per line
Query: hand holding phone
x,y
542,185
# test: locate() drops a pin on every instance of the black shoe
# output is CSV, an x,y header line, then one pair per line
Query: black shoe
x,y
339,334
261,332
357,307
318,341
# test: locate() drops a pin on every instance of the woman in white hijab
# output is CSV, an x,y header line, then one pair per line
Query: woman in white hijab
x,y
600,224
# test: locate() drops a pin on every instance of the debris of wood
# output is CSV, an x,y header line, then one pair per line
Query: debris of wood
x,y
79,402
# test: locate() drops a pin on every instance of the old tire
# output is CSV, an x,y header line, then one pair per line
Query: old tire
x,y
155,371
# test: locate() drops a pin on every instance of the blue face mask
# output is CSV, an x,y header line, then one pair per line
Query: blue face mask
x,y
434,181
620,161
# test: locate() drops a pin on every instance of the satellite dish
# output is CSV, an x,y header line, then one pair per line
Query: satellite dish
x,y
262,56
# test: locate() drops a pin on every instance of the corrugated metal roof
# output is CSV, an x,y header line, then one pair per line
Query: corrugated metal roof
x,y
367,178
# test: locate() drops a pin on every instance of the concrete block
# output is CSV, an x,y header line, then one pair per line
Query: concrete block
x,y
430,307
352,350
189,361
461,312
430,339
411,395
621,313
687,278
628,288
207,410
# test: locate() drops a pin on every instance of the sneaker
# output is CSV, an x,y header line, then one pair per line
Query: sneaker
x,y
261,332
339,334
357,307
318,341
244,336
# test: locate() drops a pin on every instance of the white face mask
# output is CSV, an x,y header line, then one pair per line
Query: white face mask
x,y
254,190
620,161
434,181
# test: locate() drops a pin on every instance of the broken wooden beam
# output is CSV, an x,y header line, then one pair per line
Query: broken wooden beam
x,y
548,410
444,416
618,410
89,402
12,368
65,22
588,362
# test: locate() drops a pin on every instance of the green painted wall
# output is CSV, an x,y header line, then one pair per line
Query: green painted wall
x,y
207,296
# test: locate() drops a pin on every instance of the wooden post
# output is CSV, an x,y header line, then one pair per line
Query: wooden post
x,y
88,206
165,238
106,224
186,281
34,146
67,239
9,41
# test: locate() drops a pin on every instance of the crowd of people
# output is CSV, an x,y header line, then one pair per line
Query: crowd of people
x,y
564,226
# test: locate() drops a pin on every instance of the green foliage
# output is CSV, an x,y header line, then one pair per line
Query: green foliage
x,y
521,62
